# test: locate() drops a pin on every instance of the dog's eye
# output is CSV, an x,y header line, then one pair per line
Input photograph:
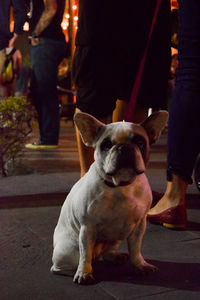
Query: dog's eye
x,y
106,144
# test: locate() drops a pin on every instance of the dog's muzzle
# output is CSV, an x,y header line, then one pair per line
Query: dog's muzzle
x,y
125,156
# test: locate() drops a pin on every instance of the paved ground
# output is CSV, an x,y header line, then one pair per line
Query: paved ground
x,y
30,206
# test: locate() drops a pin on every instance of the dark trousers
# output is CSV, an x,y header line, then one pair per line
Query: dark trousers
x,y
45,58
184,121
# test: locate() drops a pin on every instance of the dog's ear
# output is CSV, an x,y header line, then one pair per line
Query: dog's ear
x,y
89,128
154,125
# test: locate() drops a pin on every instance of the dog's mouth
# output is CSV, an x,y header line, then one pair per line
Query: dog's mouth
x,y
122,177
116,183
135,171
111,184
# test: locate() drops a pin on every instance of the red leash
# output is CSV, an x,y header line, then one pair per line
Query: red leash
x,y
132,102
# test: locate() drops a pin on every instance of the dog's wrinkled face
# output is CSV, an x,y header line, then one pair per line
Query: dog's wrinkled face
x,y
122,152
121,148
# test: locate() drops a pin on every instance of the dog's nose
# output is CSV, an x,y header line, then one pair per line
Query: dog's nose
x,y
125,153
124,149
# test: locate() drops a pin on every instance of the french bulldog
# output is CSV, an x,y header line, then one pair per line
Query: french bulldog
x,y
110,202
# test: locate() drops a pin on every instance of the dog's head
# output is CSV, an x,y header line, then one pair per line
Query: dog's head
x,y
121,148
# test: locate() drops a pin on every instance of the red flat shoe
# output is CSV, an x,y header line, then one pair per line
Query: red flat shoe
x,y
174,217
156,197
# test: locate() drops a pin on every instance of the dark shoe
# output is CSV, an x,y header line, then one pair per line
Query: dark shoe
x,y
174,217
38,145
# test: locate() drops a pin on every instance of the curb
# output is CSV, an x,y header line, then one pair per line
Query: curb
x,y
34,200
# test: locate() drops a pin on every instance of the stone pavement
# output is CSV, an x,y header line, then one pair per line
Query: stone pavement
x,y
29,209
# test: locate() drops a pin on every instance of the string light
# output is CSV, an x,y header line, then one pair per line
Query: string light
x,y
67,16
65,24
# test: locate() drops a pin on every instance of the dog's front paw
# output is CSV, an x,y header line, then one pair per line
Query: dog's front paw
x,y
144,268
83,278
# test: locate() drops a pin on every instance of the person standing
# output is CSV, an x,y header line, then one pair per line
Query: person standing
x,y
7,38
110,42
184,121
48,48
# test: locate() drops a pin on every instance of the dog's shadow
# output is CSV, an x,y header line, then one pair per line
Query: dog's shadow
x,y
183,276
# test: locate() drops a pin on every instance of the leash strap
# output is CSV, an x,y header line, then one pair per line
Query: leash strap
x,y
132,102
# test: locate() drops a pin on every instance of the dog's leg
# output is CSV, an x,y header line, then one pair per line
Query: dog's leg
x,y
111,255
134,246
86,246
65,258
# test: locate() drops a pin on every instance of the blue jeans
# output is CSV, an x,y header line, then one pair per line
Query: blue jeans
x,y
45,58
184,120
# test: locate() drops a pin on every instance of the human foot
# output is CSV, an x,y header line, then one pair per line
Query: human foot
x,y
173,217
170,209
174,195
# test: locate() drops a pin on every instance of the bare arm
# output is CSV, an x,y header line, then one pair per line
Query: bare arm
x,y
12,40
20,18
50,9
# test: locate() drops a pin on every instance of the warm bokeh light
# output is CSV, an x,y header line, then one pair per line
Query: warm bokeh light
x,y
174,4
73,13
12,26
26,26
64,24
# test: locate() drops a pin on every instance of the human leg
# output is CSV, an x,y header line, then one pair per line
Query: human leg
x,y
140,114
2,59
183,134
86,154
170,211
91,97
45,58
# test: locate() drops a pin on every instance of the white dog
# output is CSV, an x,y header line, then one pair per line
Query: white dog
x,y
110,203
